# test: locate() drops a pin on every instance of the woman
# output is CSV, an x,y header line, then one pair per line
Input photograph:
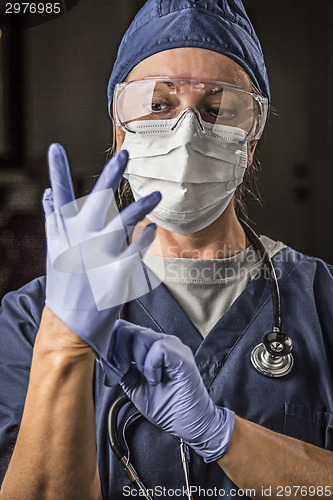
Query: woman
x,y
198,68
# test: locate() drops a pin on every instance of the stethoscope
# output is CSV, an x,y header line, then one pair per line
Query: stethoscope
x,y
271,358
124,455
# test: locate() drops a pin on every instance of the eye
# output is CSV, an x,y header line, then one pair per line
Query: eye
x,y
159,107
222,113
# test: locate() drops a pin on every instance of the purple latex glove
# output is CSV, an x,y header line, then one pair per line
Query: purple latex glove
x,y
163,381
91,272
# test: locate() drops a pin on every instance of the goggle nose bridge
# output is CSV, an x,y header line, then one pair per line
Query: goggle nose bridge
x,y
184,113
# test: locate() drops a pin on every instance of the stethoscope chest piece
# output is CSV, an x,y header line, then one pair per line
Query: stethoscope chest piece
x,y
273,357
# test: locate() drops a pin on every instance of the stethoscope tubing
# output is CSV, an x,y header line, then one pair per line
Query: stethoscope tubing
x,y
271,358
273,282
116,446
122,455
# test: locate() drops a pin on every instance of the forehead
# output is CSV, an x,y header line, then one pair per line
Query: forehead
x,y
192,62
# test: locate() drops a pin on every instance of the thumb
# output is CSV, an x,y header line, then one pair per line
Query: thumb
x,y
168,358
131,343
60,176
47,202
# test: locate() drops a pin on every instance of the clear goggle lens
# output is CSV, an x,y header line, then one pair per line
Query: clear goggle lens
x,y
165,98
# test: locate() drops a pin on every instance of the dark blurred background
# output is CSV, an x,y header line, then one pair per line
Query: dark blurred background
x,y
53,79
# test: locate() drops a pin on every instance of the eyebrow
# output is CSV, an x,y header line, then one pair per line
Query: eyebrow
x,y
216,90
166,83
173,85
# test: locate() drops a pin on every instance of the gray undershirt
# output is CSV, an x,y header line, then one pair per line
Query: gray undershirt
x,y
205,289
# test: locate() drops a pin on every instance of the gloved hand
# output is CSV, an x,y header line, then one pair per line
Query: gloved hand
x,y
89,273
163,381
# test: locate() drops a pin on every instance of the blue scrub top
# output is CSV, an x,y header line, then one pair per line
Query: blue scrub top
x,y
299,405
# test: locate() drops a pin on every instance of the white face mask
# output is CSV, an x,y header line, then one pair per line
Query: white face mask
x,y
196,173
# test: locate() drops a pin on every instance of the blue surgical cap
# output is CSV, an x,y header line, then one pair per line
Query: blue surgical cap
x,y
218,25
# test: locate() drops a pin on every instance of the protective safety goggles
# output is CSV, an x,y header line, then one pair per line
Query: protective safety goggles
x,y
166,99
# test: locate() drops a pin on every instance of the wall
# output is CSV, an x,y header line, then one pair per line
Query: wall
x,y
68,62
296,178
66,67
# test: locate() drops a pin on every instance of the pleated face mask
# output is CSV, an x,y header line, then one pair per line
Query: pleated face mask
x,y
197,172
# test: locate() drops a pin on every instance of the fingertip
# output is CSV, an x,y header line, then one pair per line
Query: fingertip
x,y
47,202
123,329
148,235
118,162
48,194
156,195
56,156
56,145
123,155
55,148
51,148
150,228
120,159
119,323
150,201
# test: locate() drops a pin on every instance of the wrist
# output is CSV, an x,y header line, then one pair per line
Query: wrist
x,y
55,339
213,443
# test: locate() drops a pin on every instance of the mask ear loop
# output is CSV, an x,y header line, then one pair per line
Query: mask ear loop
x,y
182,116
